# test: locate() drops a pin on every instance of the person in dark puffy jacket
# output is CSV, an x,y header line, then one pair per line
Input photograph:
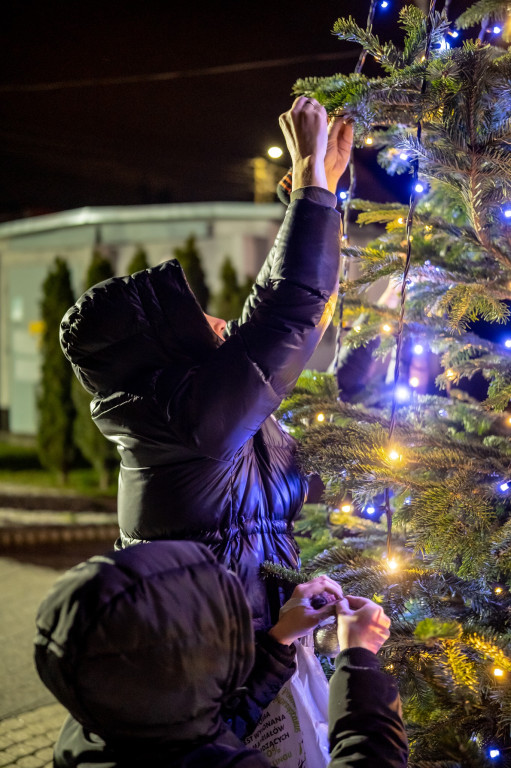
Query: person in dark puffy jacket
x,y
188,401
151,650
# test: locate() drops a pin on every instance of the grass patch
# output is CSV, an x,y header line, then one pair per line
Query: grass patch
x,y
20,465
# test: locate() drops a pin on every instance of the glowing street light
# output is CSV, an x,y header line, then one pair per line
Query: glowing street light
x,y
275,153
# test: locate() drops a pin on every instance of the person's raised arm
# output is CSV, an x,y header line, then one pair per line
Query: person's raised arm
x,y
224,401
316,166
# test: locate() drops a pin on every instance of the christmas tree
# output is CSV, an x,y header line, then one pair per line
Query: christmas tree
x,y
417,465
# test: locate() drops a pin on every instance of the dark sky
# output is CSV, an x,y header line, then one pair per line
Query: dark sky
x,y
189,138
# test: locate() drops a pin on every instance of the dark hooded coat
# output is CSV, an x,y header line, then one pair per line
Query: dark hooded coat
x,y
201,456
148,648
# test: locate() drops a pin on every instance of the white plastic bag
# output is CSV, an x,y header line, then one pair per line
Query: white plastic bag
x,y
293,729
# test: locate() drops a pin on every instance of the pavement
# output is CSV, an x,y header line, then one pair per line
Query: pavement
x,y
41,535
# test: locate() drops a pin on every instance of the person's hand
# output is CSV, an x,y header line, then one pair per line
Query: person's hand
x,y
338,150
298,617
361,624
305,129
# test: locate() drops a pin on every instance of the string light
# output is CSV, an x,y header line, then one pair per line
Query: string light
x,y
414,381
504,487
403,156
507,343
343,194
450,373
419,188
320,417
494,753
454,33
507,213
369,140
346,507
498,590
402,394
497,30
444,45
386,328
418,349
394,455
357,328
384,4
400,220
392,564
498,672
509,420
370,510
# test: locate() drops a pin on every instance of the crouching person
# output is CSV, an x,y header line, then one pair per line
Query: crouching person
x,y
151,650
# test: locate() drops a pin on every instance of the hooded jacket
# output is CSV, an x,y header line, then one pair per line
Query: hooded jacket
x,y
201,456
147,648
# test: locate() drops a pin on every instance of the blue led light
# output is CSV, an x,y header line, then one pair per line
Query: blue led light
x,y
343,194
494,753
370,510
402,394
384,4
507,213
403,156
419,187
504,487
453,33
507,343
418,349
497,30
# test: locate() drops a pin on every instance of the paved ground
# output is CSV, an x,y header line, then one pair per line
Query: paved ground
x,y
35,547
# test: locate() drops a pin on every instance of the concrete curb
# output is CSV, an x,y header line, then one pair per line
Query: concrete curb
x,y
28,536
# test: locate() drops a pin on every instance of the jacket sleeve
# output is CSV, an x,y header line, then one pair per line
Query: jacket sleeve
x,y
365,723
316,194
274,664
220,404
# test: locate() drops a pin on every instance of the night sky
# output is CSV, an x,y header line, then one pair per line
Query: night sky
x,y
186,138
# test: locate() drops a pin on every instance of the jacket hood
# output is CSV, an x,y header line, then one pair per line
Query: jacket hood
x,y
127,327
146,643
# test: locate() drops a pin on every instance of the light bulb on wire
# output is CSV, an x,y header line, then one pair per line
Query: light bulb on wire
x,y
494,753
507,213
402,393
